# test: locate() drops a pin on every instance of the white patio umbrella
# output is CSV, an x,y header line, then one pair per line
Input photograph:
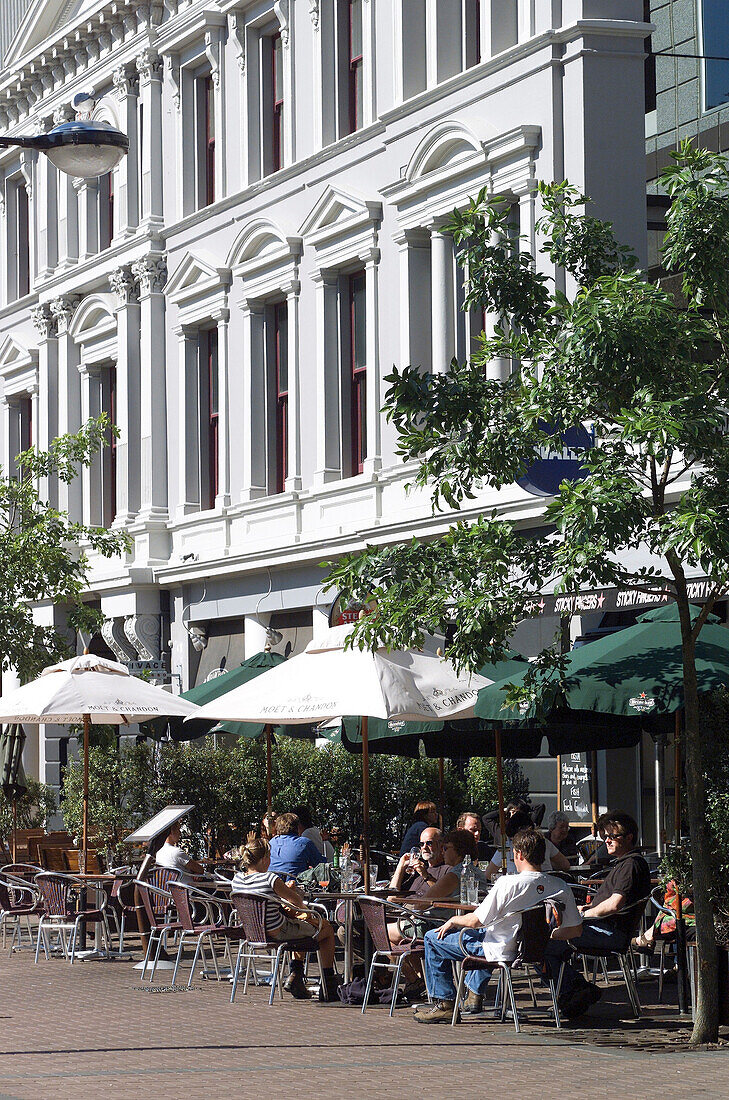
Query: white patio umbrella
x,y
328,681
86,688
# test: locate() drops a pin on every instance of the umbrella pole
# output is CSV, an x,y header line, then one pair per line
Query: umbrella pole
x,y
500,795
366,803
269,796
15,830
85,839
593,789
441,789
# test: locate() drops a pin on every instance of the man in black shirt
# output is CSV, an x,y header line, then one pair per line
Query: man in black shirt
x,y
609,919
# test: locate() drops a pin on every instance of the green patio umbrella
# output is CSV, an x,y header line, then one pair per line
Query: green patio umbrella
x,y
635,672
12,776
179,730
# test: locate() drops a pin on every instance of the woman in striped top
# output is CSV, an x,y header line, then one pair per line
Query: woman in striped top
x,y
256,878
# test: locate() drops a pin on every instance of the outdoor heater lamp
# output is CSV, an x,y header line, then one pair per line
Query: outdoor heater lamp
x,y
79,148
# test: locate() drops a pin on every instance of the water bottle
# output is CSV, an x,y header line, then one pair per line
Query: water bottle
x,y
345,871
466,877
335,858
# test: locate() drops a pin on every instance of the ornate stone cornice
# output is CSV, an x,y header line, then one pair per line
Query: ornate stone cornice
x,y
112,631
126,81
151,271
172,64
149,65
124,285
143,632
237,24
43,321
281,11
314,13
63,309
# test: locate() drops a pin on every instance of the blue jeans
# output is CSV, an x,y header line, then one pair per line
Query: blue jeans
x,y
439,954
601,938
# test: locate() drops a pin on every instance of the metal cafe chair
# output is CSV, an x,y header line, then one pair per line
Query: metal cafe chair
x,y
62,913
532,939
18,900
251,910
187,899
624,958
388,955
158,903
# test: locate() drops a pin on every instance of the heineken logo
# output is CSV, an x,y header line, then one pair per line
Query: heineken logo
x,y
642,702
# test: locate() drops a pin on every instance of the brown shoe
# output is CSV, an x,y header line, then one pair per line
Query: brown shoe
x,y
297,987
437,1013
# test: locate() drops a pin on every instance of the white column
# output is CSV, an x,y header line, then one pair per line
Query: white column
x,y
441,266
45,426
128,396
286,23
69,395
415,298
254,398
88,221
126,178
255,637
322,102
328,380
214,41
373,461
151,274
293,480
223,498
149,67
431,42
188,426
67,221
46,211
92,474
369,47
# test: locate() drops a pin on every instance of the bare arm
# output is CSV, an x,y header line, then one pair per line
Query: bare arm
x,y
289,894
605,908
560,862
443,887
566,932
403,865
466,920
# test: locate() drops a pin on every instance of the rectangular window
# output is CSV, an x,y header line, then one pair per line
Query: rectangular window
x,y
205,140
26,423
650,63
209,406
22,241
106,210
715,42
281,383
109,453
356,90
471,33
277,103
358,370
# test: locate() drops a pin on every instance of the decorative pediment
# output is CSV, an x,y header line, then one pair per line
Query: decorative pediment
x,y
196,277
445,146
42,19
94,319
18,367
338,212
262,242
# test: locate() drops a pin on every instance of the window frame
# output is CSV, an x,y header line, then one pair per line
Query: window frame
x,y
357,374
277,105
209,491
281,418
701,28
355,76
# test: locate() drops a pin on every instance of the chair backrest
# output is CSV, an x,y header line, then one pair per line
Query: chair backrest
x,y
181,899
588,846
534,934
374,912
52,859
72,856
636,911
156,904
55,894
14,897
26,871
251,910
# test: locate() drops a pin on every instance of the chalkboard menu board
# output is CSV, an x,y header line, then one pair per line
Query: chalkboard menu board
x,y
574,786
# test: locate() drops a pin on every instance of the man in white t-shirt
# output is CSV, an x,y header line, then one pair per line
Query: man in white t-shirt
x,y
492,929
176,858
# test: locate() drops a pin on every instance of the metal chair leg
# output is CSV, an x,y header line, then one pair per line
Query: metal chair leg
x,y
370,979
396,984
531,988
630,985
276,967
150,941
661,970
178,957
512,999
236,971
459,994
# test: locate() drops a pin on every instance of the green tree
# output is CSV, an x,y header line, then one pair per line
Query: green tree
x,y
43,551
649,376
33,808
482,785
108,813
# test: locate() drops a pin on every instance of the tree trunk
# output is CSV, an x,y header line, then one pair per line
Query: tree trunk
x,y
706,1024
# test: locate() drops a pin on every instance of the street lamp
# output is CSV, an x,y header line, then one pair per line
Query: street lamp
x,y
81,147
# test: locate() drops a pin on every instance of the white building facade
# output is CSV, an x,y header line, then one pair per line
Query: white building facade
x,y
235,291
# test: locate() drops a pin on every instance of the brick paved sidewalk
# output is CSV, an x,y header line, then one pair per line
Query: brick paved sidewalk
x,y
89,1031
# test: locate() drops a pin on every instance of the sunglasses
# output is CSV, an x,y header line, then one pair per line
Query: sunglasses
x,y
613,836
428,844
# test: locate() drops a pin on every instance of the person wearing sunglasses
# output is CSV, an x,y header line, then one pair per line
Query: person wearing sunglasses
x,y
609,917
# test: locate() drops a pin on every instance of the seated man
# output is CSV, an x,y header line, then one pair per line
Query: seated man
x,y
518,820
291,853
417,874
171,855
492,929
607,926
470,821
